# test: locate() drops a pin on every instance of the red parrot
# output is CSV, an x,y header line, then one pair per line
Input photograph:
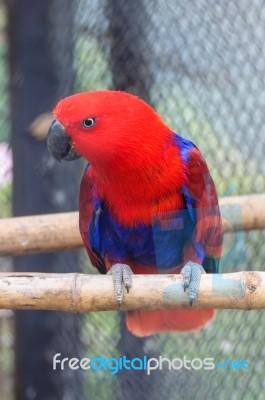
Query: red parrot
x,y
148,204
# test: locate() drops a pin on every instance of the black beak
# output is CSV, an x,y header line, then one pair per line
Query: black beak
x,y
59,143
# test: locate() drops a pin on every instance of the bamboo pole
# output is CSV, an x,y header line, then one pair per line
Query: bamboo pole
x,y
56,232
82,293
39,234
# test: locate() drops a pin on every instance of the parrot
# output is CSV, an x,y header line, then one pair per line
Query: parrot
x,y
147,202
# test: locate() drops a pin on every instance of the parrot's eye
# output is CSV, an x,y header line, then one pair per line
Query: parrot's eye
x,y
89,122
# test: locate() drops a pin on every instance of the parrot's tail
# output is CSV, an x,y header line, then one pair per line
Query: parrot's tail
x,y
145,323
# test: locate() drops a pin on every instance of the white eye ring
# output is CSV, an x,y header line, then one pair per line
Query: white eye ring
x,y
88,122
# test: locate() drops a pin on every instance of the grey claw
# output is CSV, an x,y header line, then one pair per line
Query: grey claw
x,y
121,275
191,278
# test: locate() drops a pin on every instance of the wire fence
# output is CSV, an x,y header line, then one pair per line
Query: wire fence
x,y
202,66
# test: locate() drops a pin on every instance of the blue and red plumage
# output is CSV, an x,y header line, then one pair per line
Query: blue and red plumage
x,y
146,199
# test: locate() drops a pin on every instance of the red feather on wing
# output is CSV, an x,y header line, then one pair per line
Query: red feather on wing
x,y
201,189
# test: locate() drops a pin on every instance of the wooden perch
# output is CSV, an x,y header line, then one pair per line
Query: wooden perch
x,y
55,232
39,234
82,293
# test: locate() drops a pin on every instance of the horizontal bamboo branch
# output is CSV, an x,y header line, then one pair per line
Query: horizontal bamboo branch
x,y
82,293
39,234
55,232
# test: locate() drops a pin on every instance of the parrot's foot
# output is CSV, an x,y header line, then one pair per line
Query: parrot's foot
x,y
121,275
191,278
